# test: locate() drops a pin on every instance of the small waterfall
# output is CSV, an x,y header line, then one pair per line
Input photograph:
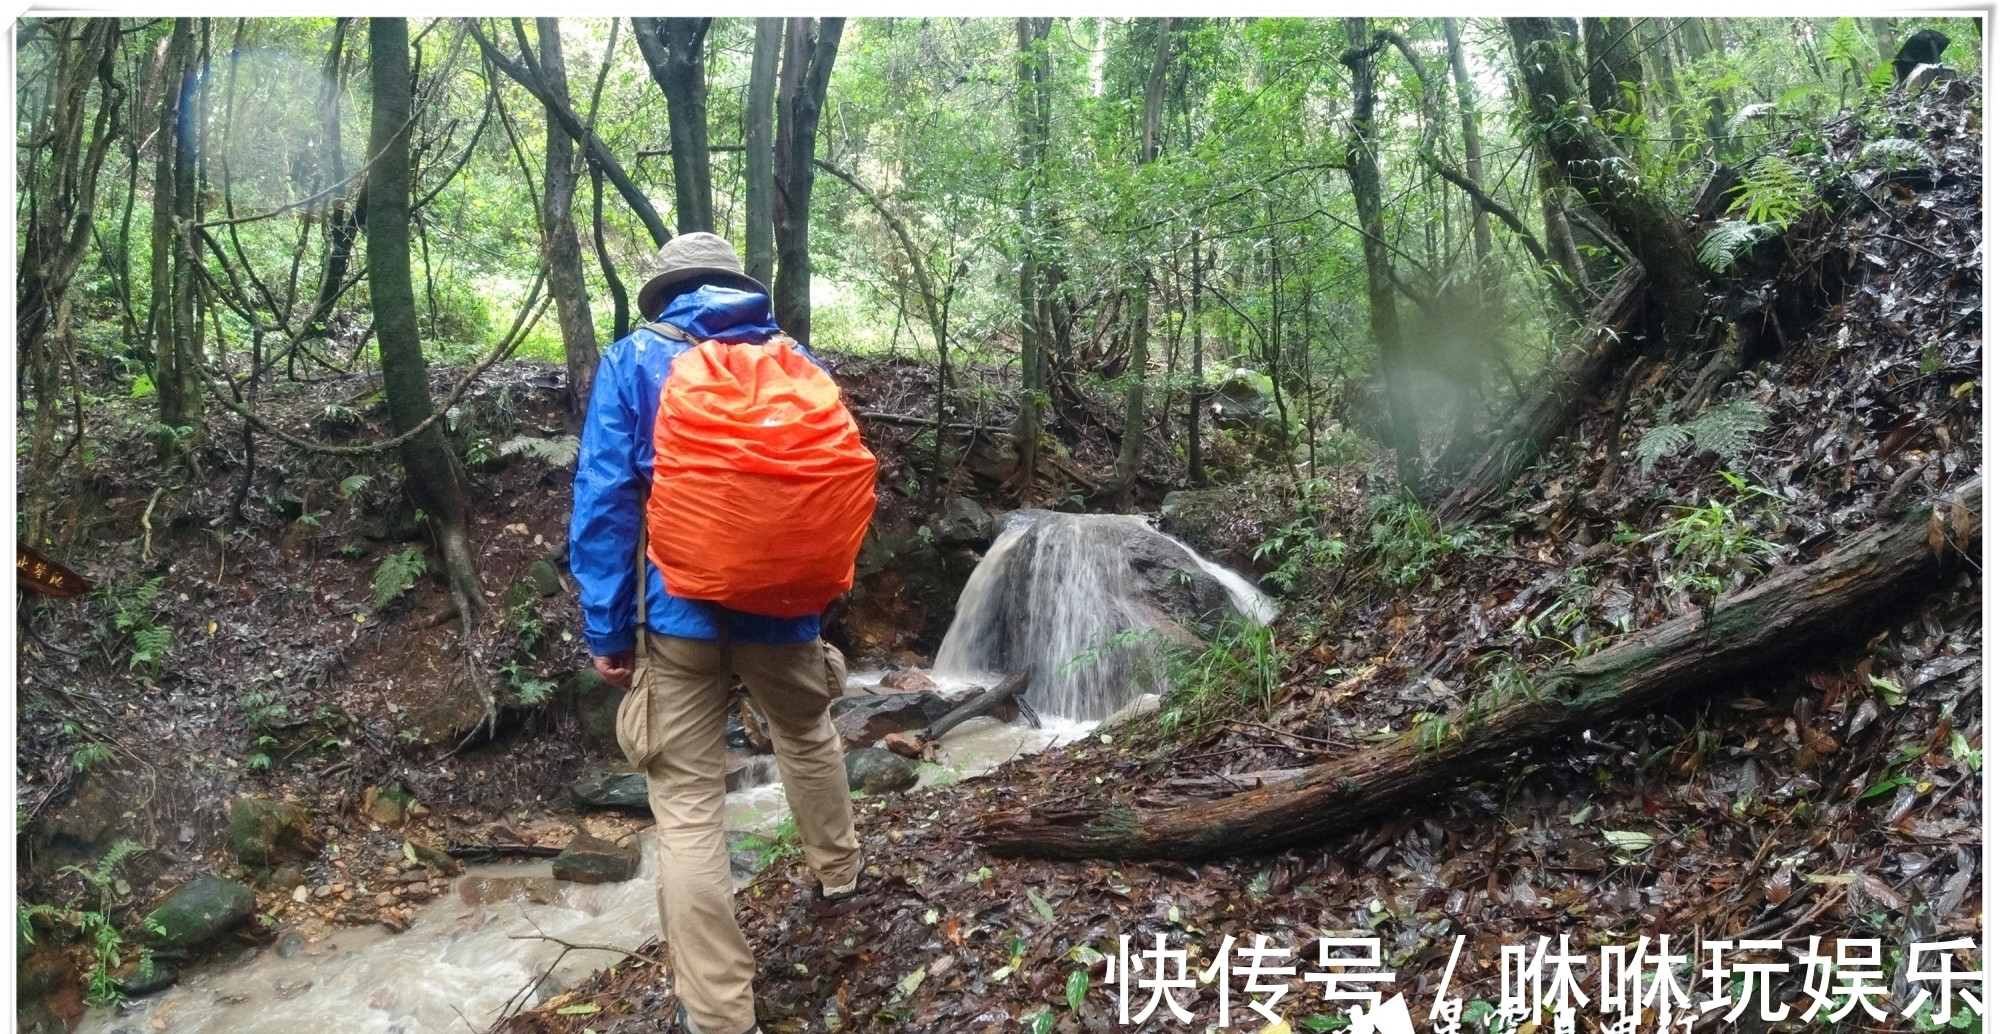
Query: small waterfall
x,y
1083,599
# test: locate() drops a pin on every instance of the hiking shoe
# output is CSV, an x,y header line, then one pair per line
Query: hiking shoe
x,y
835,895
688,1027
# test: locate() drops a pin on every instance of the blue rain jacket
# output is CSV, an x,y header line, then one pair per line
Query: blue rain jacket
x,y
614,474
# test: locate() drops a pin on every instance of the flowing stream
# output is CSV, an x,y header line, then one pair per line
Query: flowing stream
x,y
1078,598
477,948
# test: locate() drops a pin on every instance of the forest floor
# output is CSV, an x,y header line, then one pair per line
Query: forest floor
x,y
286,675
1840,799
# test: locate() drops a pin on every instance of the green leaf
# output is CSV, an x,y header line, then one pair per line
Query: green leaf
x,y
1043,1023
582,1009
1885,786
908,985
1075,988
1629,841
354,483
1324,1023
1041,906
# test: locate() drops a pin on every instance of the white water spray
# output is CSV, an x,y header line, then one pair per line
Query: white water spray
x,y
1075,598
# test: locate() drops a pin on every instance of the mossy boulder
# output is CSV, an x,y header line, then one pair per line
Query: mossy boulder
x,y
200,910
263,832
874,770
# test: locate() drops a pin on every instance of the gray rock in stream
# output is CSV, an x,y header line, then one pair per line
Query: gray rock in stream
x,y
604,788
589,859
874,770
200,910
136,980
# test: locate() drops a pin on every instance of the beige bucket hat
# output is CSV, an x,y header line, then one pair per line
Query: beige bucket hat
x,y
688,256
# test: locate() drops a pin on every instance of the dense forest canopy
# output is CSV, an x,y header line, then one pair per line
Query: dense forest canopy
x,y
1136,207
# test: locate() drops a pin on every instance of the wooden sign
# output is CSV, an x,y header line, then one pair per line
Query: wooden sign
x,y
35,571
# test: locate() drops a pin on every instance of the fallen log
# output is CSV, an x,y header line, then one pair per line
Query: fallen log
x,y
980,703
1790,612
1570,380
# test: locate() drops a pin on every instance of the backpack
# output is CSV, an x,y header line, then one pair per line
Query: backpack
x,y
762,488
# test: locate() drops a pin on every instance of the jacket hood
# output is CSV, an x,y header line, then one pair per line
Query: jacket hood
x,y
712,313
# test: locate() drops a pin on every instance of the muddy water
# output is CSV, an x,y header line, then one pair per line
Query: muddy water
x,y
475,951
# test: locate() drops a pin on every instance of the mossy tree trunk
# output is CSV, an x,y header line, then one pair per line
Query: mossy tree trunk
x,y
435,481
1365,176
810,46
758,258
673,48
560,247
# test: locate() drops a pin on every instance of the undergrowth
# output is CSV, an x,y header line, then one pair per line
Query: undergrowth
x,y
1237,673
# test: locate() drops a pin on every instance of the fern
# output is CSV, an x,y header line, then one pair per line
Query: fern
x,y
1724,430
1774,191
1749,112
1727,430
149,644
354,483
1729,240
1660,442
556,452
1845,46
398,572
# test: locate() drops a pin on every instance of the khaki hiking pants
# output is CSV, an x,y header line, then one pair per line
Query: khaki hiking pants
x,y
792,686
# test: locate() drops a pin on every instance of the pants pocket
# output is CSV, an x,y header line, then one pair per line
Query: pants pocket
x,y
836,671
635,726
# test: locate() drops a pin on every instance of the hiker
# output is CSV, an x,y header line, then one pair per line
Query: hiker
x,y
748,519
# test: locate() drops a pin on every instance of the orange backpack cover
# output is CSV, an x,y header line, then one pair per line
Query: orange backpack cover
x,y
762,489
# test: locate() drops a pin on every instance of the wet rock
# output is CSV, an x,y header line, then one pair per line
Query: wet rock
x,y
1140,584
596,705
291,945
89,819
1242,403
38,1018
733,734
746,854
964,523
137,979
435,857
863,720
908,680
605,788
387,805
874,770
1140,706
200,910
589,859
261,832
543,577
283,878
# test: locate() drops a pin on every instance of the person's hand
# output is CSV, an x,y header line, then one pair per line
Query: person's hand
x,y
616,669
